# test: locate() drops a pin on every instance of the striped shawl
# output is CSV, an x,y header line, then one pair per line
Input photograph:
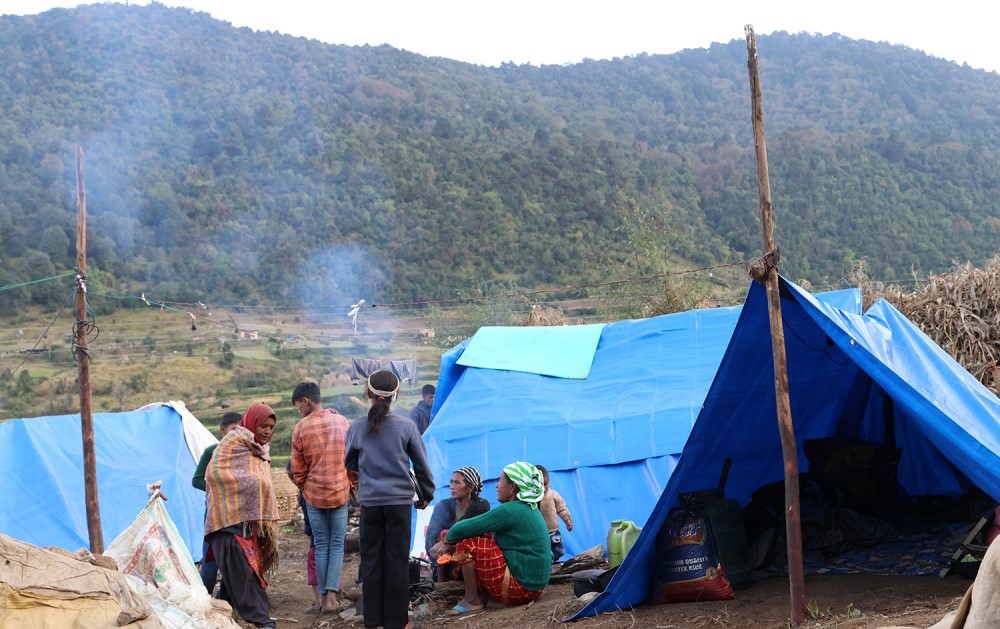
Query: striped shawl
x,y
239,490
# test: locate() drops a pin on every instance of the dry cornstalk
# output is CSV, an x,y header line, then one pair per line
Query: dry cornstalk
x,y
959,310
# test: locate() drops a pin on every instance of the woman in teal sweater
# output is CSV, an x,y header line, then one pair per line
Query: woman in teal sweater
x,y
504,553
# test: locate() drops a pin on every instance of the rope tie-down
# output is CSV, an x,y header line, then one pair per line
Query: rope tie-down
x,y
760,267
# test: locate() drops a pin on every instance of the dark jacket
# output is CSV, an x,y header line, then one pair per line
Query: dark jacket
x,y
421,415
444,516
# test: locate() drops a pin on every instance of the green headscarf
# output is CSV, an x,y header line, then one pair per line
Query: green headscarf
x,y
528,479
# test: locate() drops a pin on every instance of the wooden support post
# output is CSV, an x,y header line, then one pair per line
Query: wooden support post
x,y
83,363
766,272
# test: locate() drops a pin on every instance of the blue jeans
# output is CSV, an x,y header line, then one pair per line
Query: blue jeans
x,y
329,527
558,550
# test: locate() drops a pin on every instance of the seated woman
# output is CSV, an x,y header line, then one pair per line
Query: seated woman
x,y
504,553
466,483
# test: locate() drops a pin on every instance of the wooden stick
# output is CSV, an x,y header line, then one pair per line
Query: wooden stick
x,y
83,361
767,274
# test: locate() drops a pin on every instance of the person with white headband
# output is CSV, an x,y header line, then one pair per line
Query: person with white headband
x,y
381,448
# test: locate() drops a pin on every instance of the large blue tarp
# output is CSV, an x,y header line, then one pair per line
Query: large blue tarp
x,y
610,441
842,369
42,494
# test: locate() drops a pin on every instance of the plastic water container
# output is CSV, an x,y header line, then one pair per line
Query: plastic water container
x,y
726,518
621,537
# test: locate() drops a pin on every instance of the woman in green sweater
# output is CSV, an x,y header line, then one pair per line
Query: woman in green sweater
x,y
504,553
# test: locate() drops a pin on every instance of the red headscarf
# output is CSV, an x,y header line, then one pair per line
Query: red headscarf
x,y
255,415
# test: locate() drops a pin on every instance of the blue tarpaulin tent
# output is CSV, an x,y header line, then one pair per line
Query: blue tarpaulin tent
x,y
610,440
42,495
843,369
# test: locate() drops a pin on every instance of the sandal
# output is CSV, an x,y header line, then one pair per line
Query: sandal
x,y
461,610
312,609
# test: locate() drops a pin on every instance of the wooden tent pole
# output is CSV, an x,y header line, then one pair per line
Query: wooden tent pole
x,y
765,271
83,362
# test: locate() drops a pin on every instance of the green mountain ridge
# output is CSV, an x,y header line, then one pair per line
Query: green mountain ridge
x,y
229,165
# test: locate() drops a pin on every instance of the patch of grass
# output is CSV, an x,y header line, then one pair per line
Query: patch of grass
x,y
256,353
829,618
41,372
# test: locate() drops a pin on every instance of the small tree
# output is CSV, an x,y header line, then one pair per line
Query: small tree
x,y
227,355
496,303
646,251
25,384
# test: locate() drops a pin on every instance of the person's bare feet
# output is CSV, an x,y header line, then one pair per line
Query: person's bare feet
x,y
332,605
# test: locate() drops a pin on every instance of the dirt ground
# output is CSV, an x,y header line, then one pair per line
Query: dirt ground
x,y
842,601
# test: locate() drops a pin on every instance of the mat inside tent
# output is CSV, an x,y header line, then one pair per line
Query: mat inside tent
x,y
918,551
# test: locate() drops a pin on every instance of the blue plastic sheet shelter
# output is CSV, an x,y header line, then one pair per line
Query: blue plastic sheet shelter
x,y
610,441
42,494
843,368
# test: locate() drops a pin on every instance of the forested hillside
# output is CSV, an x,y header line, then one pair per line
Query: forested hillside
x,y
229,165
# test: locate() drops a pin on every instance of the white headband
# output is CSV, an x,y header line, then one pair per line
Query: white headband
x,y
383,394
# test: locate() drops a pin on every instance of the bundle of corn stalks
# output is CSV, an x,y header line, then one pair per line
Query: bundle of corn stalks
x,y
544,315
958,310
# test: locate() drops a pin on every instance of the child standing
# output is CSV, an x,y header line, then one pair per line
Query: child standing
x,y
553,505
311,577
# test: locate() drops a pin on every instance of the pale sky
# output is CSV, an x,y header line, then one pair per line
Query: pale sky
x,y
567,31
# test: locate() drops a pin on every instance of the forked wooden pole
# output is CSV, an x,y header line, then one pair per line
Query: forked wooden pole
x,y
766,272
83,362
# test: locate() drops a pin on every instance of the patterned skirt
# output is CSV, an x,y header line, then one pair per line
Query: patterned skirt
x,y
492,572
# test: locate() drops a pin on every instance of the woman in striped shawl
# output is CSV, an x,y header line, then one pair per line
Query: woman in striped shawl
x,y
240,526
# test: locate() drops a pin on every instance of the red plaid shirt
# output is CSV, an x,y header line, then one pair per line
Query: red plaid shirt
x,y
318,459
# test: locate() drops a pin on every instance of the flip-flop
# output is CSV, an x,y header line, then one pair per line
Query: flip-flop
x,y
460,610
457,610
